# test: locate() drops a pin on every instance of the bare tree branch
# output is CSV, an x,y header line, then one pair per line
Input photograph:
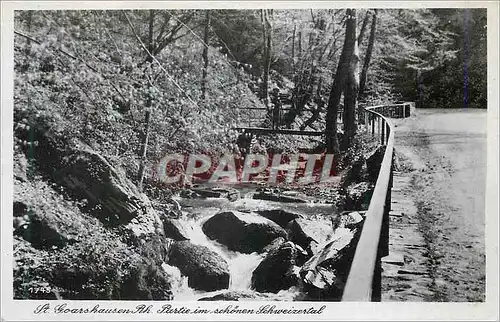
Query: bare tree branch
x,y
166,20
171,35
156,60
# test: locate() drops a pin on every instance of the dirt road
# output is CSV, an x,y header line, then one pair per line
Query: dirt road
x,y
447,152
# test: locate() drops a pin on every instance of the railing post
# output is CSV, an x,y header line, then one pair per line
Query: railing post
x,y
388,131
373,124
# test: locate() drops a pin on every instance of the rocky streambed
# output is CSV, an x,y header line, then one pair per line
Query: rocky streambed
x,y
261,244
83,229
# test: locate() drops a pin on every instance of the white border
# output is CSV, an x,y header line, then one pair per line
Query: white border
x,y
23,310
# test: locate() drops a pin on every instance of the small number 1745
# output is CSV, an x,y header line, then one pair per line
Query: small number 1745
x,y
42,289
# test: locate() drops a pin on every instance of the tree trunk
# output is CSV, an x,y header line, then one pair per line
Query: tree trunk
x,y
147,117
332,143
205,55
363,28
293,49
350,97
368,56
267,38
263,89
299,55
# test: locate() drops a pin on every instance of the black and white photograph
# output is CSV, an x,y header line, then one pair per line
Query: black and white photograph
x,y
248,161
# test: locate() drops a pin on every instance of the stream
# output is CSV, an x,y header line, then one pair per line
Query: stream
x,y
195,211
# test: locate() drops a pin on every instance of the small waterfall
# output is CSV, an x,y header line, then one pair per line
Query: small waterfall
x,y
180,287
197,211
241,265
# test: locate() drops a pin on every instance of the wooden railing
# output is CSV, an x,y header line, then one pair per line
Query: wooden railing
x,y
364,280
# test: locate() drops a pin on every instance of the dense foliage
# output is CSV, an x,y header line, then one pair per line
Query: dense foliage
x,y
99,93
87,71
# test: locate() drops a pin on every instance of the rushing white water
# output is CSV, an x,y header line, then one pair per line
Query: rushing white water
x,y
241,265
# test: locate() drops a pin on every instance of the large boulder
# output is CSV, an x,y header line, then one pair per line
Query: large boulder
x,y
205,269
89,175
324,275
86,174
242,232
276,271
309,234
279,216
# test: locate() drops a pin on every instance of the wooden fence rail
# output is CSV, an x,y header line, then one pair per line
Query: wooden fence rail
x,y
364,280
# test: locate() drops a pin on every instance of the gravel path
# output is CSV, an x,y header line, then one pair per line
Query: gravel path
x,y
446,154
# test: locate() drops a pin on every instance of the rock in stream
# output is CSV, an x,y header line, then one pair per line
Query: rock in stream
x,y
205,269
309,234
324,275
275,272
279,216
242,232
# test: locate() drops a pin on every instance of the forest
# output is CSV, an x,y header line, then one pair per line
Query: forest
x,y
101,96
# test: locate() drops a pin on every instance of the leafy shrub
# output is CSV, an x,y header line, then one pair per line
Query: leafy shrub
x,y
97,268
